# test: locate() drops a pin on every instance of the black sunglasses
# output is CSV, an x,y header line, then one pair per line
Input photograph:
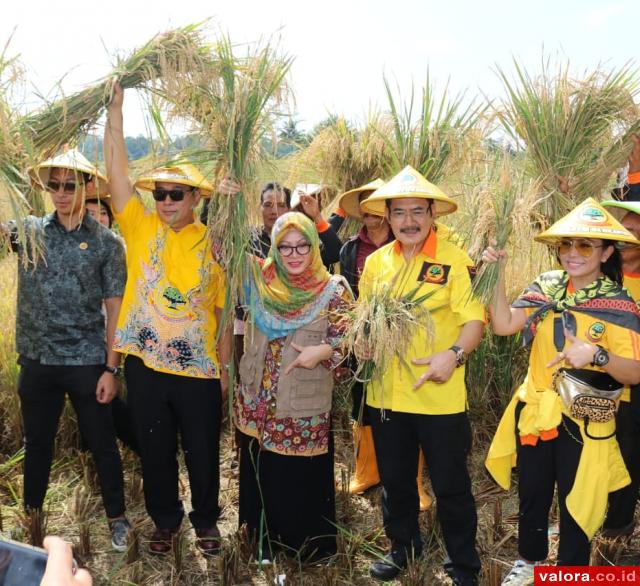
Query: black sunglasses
x,y
54,186
172,194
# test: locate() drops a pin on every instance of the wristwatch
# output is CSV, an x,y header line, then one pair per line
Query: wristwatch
x,y
601,357
114,370
461,355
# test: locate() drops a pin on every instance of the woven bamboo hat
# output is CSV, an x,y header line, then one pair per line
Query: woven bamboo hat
x,y
587,220
350,200
182,174
408,183
70,159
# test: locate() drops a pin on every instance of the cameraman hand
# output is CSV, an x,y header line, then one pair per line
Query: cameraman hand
x,y
60,570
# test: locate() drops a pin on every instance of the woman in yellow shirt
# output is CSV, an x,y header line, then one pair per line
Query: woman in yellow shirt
x,y
578,317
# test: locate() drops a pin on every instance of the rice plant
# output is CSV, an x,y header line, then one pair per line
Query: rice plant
x,y
172,56
385,322
233,105
436,140
566,124
344,154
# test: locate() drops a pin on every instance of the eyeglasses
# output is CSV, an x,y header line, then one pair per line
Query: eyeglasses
x,y
172,194
301,249
583,247
416,214
67,187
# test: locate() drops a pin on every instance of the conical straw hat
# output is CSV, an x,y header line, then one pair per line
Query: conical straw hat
x,y
588,220
408,183
350,200
182,174
70,159
627,206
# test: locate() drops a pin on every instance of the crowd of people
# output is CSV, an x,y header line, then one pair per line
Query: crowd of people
x,y
150,303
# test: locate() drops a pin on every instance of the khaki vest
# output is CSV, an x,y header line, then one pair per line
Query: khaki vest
x,y
302,392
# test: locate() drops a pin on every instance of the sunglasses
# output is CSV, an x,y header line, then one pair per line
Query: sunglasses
x,y
301,249
583,247
172,194
54,186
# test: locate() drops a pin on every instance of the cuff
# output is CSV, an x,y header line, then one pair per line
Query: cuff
x,y
322,225
633,178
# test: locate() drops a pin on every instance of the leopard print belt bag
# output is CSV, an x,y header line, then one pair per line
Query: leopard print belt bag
x,y
589,395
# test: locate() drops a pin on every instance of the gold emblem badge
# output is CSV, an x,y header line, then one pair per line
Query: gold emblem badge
x,y
83,246
435,273
596,331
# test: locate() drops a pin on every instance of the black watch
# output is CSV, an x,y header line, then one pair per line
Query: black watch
x,y
601,357
461,355
114,370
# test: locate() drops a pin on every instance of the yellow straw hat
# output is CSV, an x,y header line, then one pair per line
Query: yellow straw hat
x,y
350,200
183,174
408,183
70,159
587,220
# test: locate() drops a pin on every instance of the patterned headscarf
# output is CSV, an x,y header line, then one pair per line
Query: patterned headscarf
x,y
280,302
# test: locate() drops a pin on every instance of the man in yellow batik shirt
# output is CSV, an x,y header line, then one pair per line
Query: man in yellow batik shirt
x,y
167,330
424,406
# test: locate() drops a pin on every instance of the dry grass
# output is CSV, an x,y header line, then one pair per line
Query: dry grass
x,y
361,539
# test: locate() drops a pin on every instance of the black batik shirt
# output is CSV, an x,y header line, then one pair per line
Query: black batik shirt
x,y
59,319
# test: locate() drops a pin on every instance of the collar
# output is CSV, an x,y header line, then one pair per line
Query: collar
x,y
429,248
196,226
631,275
87,223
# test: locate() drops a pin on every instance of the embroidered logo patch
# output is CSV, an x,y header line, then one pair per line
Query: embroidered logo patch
x,y
593,215
596,331
434,273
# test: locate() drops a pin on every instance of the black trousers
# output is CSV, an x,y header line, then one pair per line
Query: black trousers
x,y
446,442
164,406
288,502
540,468
42,391
622,503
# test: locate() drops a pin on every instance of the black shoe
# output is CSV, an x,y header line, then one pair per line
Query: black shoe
x,y
457,578
464,580
388,567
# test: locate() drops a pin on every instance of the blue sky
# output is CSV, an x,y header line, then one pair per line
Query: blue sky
x,y
342,48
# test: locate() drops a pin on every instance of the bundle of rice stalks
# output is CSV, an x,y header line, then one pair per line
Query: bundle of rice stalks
x,y
171,58
566,124
500,201
17,199
233,105
385,323
344,155
437,142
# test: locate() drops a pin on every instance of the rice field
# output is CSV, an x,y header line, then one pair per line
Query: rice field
x,y
508,194
74,510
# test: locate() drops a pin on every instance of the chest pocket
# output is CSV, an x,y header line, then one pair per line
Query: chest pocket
x,y
305,392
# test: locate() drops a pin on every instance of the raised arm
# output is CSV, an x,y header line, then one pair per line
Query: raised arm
x,y
115,153
505,320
